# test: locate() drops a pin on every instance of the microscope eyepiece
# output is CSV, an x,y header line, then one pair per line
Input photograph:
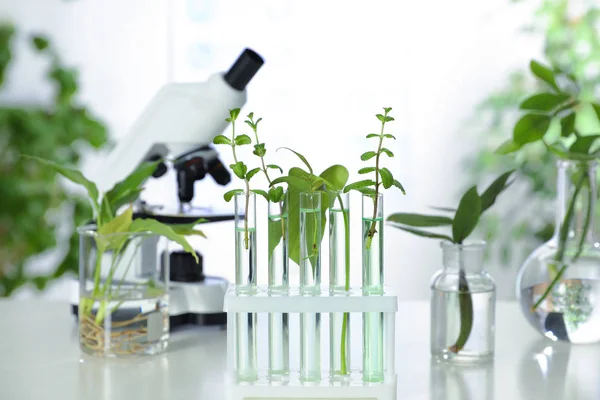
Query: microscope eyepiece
x,y
244,69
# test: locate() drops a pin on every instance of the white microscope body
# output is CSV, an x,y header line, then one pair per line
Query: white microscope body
x,y
179,123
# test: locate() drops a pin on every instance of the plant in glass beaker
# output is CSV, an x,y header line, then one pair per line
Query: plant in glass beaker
x,y
120,313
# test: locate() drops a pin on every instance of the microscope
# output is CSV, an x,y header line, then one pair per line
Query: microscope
x,y
179,124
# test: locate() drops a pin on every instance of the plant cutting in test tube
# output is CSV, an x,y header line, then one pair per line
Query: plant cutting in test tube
x,y
276,194
383,176
463,222
299,180
239,168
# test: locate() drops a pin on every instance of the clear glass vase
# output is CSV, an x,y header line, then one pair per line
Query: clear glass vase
x,y
123,293
310,284
463,300
339,283
372,285
279,347
558,285
245,280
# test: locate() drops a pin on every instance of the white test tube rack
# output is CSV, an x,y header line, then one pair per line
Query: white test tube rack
x,y
294,304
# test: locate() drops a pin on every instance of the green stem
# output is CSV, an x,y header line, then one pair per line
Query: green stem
x,y
344,367
247,186
264,169
97,271
465,302
562,241
372,230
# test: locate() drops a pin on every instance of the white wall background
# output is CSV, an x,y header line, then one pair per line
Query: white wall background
x,y
330,66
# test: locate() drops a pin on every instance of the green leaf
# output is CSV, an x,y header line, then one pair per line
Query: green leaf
x,y
188,226
446,209
531,128
368,155
106,213
386,151
567,125
251,173
387,110
544,73
507,147
488,198
420,232
126,198
229,195
389,136
596,108
276,194
366,170
544,101
386,177
372,135
74,176
399,186
389,119
380,117
40,42
301,157
273,166
120,223
299,177
130,185
299,183
367,191
274,235
107,238
261,193
335,177
467,215
359,184
259,150
233,114
239,169
583,144
221,139
317,183
188,232
420,220
241,140
158,228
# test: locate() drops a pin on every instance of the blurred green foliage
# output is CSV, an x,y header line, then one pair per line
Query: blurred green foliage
x,y
33,202
572,43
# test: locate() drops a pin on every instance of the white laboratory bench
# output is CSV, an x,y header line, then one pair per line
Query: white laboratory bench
x,y
40,359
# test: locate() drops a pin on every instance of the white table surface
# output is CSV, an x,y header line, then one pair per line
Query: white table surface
x,y
40,359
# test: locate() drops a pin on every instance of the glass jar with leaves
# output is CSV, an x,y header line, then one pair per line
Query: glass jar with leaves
x,y
558,283
372,245
123,269
463,295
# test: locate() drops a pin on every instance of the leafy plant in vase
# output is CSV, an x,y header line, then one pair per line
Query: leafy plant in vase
x,y
462,286
123,268
557,284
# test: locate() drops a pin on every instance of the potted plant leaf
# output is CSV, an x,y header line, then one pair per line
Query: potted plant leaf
x,y
462,294
557,284
123,267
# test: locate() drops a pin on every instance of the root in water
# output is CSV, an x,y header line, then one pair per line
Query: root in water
x,y
115,339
